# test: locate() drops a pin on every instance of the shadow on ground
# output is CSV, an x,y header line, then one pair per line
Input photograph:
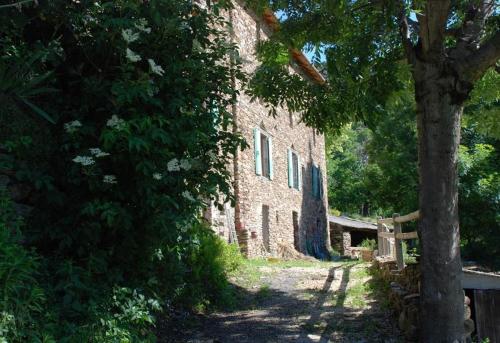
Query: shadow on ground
x,y
271,315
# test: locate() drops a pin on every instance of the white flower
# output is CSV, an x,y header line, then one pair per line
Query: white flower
x,y
157,176
84,160
173,165
98,152
132,56
109,179
141,26
185,164
72,126
155,68
187,195
158,254
116,123
129,36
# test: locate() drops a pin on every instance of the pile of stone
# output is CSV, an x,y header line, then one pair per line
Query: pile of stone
x,y
404,297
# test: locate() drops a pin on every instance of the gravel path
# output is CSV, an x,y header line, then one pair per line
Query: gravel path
x,y
301,304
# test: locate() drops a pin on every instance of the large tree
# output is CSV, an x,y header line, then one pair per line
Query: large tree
x,y
363,44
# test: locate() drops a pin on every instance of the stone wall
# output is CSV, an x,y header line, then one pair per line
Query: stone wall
x,y
404,296
254,191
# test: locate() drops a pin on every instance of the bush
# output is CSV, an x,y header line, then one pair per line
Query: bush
x,y
134,98
22,300
210,263
369,243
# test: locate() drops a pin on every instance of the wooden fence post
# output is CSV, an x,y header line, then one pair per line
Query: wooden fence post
x,y
398,243
380,242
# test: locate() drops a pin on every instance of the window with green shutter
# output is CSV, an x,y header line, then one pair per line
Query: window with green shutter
x,y
294,172
317,182
263,154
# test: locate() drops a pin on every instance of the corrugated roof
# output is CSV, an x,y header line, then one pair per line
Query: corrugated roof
x,y
353,223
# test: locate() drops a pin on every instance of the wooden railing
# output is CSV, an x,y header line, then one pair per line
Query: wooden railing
x,y
390,241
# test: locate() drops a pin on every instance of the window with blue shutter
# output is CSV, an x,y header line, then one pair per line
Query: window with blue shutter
x,y
317,182
270,148
314,180
300,174
258,161
294,173
263,154
320,183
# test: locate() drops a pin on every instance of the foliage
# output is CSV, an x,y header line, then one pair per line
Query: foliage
x,y
347,162
369,243
140,94
388,177
22,300
210,262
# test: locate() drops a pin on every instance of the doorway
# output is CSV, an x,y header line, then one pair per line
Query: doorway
x,y
296,240
265,228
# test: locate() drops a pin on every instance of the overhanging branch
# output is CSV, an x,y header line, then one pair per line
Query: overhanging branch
x,y
405,35
476,64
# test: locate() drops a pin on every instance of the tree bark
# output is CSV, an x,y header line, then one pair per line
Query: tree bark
x,y
439,110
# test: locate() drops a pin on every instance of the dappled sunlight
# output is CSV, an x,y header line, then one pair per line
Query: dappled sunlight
x,y
285,302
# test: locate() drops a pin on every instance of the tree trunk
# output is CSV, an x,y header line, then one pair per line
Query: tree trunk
x,y
439,109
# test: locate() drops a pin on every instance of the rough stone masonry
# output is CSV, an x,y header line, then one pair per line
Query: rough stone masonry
x,y
277,210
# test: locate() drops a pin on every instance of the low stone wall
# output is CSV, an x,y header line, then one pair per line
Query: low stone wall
x,y
404,296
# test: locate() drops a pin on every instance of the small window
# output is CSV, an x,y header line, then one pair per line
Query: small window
x,y
263,154
317,182
266,228
264,144
294,170
295,166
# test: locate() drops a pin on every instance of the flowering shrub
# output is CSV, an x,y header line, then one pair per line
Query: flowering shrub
x,y
136,149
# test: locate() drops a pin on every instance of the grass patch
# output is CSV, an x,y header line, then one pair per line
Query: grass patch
x,y
358,291
263,293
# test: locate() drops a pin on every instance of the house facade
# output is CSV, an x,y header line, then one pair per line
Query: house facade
x,y
279,181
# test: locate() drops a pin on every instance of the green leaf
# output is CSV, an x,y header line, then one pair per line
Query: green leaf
x,y
38,110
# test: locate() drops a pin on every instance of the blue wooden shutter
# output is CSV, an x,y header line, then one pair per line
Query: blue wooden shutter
x,y
299,168
258,161
290,168
314,175
320,183
270,147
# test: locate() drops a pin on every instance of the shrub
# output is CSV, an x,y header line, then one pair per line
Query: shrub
x,y
369,243
210,263
22,300
134,98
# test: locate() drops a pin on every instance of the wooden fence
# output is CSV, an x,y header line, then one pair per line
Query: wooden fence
x,y
390,240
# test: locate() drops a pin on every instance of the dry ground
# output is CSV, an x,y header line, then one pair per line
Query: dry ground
x,y
300,301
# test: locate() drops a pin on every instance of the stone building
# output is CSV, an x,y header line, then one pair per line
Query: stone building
x,y
346,234
280,180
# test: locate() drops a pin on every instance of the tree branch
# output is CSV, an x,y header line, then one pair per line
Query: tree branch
x,y
432,27
470,34
19,4
473,66
405,35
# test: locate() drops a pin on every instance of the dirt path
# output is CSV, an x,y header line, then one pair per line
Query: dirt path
x,y
317,302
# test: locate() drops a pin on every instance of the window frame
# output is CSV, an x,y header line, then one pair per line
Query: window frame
x,y
265,155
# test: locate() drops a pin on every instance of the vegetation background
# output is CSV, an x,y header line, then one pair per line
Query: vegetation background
x,y
372,169
114,120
